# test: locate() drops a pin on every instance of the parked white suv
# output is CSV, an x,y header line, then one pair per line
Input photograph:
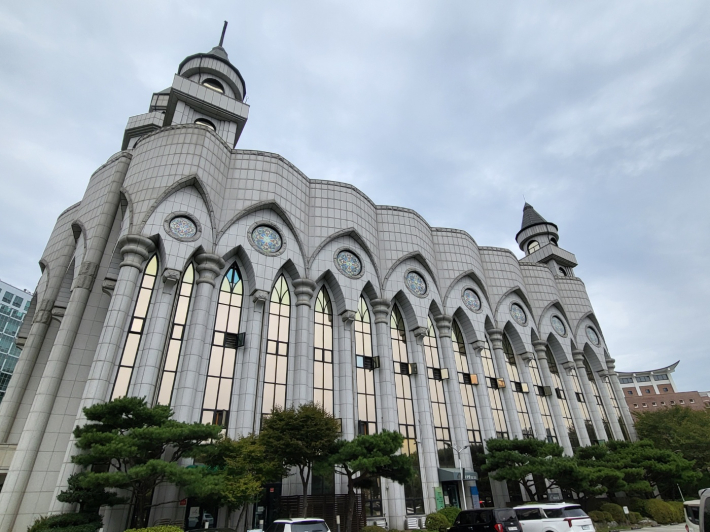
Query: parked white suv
x,y
299,524
553,517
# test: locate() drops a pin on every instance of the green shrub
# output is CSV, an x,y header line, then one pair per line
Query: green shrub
x,y
635,517
638,505
450,513
436,521
660,511
616,511
371,528
170,528
600,517
678,514
67,523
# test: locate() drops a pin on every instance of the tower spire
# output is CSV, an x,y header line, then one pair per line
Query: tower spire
x,y
224,30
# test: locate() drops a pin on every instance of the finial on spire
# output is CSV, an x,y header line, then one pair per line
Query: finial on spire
x,y
224,30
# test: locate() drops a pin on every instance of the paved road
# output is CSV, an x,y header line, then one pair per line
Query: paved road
x,y
666,528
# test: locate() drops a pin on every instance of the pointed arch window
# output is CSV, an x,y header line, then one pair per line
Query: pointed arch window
x,y
177,334
366,400
323,352
277,348
414,497
582,400
617,410
220,371
562,396
519,387
136,329
494,393
466,386
437,398
543,401
598,400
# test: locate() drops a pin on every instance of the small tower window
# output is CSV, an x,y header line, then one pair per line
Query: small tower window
x,y
553,241
207,123
533,246
563,272
213,84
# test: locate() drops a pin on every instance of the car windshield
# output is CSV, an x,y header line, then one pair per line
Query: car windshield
x,y
309,526
573,511
693,514
505,515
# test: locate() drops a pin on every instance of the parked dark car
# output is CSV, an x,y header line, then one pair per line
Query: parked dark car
x,y
487,520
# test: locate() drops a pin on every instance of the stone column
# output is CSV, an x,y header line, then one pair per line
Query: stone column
x,y
248,408
560,425
454,402
620,399
345,393
24,459
392,492
533,405
426,440
592,405
573,404
480,391
185,401
609,407
496,336
135,250
147,373
300,367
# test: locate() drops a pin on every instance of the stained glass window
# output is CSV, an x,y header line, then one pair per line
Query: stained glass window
x,y
349,263
437,399
135,330
220,372
366,401
415,283
466,386
277,348
266,239
414,497
518,314
593,336
516,383
183,227
177,334
323,352
494,394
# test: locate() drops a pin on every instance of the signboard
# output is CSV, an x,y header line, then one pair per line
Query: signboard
x,y
626,510
475,497
183,502
439,497
194,511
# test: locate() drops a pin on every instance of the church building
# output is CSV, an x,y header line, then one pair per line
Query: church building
x,y
225,282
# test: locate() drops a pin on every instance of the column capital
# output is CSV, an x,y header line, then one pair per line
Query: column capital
x,y
540,346
443,325
527,358
419,334
209,266
568,366
478,346
348,317
135,249
496,336
170,278
381,308
259,296
304,289
86,276
610,364
43,314
578,357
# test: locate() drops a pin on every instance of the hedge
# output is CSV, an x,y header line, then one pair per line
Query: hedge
x,y
660,511
616,511
67,523
436,521
600,517
451,513
166,528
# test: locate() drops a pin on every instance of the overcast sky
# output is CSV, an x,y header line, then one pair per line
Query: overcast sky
x,y
598,113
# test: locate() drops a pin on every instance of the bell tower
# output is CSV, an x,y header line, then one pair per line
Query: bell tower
x,y
538,239
208,90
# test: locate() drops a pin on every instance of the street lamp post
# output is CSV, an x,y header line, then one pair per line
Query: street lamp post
x,y
458,453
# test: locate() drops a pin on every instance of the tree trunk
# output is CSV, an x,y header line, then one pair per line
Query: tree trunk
x,y
351,504
304,481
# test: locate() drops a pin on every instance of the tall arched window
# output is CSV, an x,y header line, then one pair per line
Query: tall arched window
x,y
598,400
414,497
466,386
277,347
220,372
582,400
135,330
438,401
323,352
519,389
494,394
562,396
543,401
177,333
366,403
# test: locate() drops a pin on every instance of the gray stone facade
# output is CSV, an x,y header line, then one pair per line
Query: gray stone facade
x,y
94,273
